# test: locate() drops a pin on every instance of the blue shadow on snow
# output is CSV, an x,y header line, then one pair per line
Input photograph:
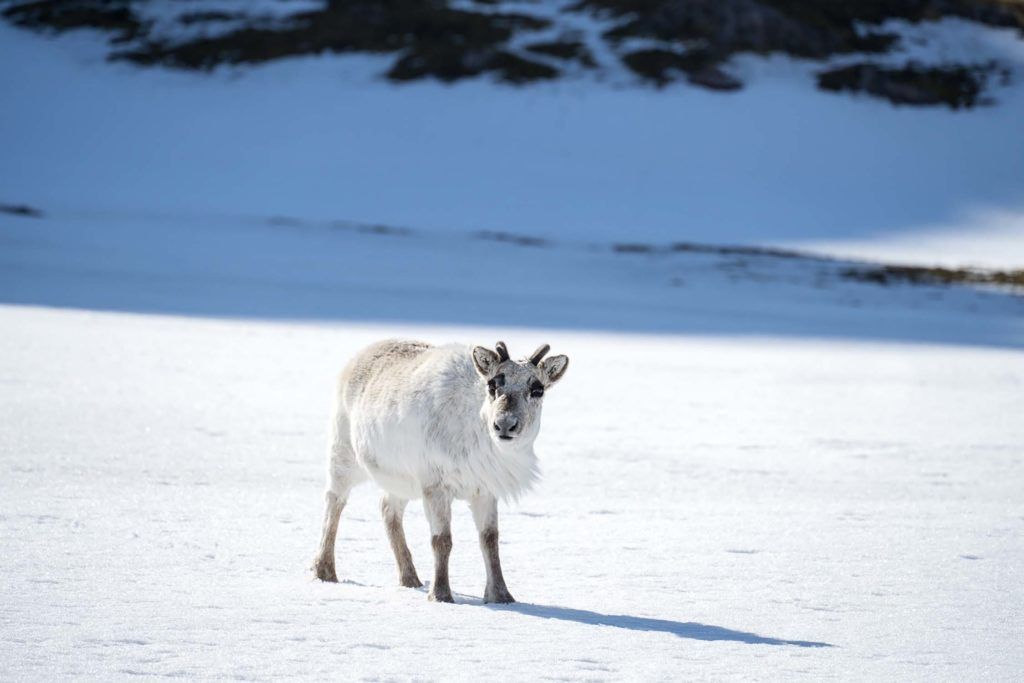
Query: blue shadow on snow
x,y
683,629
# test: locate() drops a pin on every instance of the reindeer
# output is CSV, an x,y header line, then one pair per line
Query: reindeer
x,y
441,423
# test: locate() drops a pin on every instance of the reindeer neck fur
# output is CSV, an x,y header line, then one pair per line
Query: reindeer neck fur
x,y
506,470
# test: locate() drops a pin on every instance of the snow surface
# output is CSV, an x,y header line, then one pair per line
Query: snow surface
x,y
755,467
285,268
993,239
328,139
710,508
799,475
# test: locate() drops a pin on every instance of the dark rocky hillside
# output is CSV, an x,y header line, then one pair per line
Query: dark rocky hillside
x,y
679,40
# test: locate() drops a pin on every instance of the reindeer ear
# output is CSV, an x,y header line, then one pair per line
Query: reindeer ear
x,y
485,360
553,368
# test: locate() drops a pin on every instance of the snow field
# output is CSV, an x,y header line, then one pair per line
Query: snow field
x,y
704,501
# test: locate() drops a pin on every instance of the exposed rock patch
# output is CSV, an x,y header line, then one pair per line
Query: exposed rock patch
x,y
913,84
21,210
661,41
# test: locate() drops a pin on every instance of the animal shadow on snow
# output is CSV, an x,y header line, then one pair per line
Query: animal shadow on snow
x,y
682,629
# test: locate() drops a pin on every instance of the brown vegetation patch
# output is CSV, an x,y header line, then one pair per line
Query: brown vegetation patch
x,y
920,275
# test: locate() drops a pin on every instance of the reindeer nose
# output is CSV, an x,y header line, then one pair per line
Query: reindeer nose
x,y
505,425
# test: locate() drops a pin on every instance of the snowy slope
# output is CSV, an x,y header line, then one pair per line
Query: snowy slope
x,y
238,266
991,238
742,509
325,139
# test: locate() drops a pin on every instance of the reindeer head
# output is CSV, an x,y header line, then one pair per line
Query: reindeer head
x,y
515,390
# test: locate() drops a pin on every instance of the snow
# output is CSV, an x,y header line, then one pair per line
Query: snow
x,y
990,239
284,268
327,139
798,474
710,508
755,467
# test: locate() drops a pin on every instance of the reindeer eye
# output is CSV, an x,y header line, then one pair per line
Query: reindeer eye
x,y
494,383
536,390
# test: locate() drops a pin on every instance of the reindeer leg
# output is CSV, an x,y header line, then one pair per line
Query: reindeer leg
x,y
437,502
342,474
485,514
392,509
323,565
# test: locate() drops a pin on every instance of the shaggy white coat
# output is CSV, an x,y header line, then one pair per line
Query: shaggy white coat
x,y
424,423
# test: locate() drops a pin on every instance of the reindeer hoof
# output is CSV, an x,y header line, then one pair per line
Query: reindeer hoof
x,y
440,597
411,581
325,571
502,597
